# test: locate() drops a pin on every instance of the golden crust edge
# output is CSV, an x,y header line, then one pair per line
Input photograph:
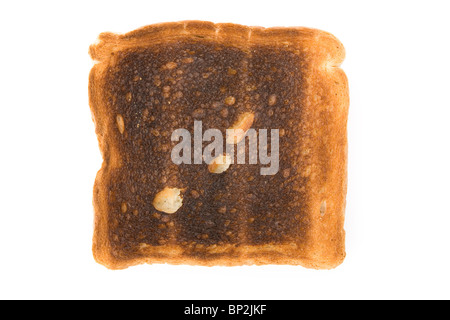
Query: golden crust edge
x,y
328,108
231,257
235,34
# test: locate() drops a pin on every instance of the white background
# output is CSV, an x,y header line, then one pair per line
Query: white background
x,y
398,213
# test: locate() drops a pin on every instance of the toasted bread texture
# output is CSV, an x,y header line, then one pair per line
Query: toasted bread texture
x,y
147,83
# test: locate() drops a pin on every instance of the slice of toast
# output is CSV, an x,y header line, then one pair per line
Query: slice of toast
x,y
150,82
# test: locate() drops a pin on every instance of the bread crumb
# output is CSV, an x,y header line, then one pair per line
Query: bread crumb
x,y
120,123
123,207
171,65
272,99
230,100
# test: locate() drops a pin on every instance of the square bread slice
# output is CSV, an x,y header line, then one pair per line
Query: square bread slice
x,y
152,81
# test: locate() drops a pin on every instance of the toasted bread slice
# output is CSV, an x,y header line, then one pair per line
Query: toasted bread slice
x,y
152,81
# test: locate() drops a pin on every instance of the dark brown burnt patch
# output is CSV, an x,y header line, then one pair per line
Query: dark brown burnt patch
x,y
152,92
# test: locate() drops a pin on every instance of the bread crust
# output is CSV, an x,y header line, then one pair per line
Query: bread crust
x,y
323,127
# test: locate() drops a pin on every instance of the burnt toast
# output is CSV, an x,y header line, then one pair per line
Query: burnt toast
x,y
148,83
